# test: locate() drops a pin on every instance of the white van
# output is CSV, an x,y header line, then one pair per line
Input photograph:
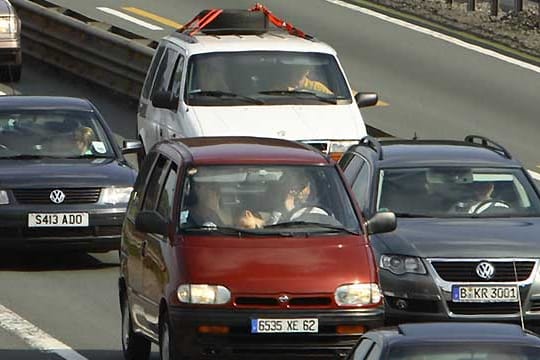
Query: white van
x,y
255,81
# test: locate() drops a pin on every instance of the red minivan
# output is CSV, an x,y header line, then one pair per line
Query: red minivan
x,y
241,247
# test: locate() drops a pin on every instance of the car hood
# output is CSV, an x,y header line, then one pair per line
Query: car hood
x,y
64,172
462,238
269,265
293,122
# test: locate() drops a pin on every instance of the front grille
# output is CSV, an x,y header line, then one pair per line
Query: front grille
x,y
42,196
484,308
304,301
465,271
58,232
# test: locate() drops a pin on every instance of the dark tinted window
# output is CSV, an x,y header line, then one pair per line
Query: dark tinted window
x,y
155,184
165,71
152,72
351,164
138,188
166,199
176,82
360,185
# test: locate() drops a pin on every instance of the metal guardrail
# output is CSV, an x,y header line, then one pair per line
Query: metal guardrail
x,y
101,53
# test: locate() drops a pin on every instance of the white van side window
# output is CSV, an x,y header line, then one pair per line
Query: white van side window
x,y
165,71
152,72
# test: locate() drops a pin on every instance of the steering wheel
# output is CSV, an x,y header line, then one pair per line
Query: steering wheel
x,y
305,210
489,205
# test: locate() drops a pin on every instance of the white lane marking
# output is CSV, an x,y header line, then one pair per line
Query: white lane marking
x,y
534,175
435,34
129,18
34,336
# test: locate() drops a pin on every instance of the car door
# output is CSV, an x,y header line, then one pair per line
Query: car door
x,y
159,114
155,271
149,203
147,128
132,241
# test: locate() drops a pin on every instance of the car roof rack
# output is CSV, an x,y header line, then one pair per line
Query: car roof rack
x,y
488,144
373,143
238,22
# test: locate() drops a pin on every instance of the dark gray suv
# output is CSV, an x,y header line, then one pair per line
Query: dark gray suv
x,y
467,245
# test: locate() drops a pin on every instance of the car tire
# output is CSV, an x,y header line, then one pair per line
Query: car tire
x,y
167,346
134,346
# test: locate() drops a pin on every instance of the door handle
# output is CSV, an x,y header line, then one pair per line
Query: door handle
x,y
143,248
161,132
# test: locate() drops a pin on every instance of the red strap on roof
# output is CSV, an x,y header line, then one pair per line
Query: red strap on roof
x,y
290,28
198,23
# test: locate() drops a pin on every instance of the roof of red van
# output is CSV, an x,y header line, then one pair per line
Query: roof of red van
x,y
250,150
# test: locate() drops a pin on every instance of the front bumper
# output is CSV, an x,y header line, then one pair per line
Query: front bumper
x,y
240,342
427,298
102,234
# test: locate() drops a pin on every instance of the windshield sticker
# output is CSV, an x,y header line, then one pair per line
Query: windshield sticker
x,y
99,147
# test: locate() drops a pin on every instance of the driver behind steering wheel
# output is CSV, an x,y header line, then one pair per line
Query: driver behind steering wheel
x,y
482,200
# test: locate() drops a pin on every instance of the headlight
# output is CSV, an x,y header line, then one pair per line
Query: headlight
x,y
399,265
337,148
4,200
203,294
114,195
8,25
358,294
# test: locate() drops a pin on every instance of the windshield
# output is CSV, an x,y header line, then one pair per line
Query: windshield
x,y
49,133
457,192
268,199
463,351
265,77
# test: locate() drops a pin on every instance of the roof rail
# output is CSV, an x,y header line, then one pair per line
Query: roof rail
x,y
206,22
372,143
488,144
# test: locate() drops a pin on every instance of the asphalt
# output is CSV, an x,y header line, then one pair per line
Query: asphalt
x,y
433,88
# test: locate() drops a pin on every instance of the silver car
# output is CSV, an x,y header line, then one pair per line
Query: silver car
x,y
10,43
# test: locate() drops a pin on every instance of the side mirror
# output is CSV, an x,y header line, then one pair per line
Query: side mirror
x,y
151,222
131,146
366,99
165,100
382,222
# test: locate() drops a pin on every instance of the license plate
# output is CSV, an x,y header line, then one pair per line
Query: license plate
x,y
481,294
58,220
284,326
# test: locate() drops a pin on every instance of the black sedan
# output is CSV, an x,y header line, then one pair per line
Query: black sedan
x,y
466,245
448,341
64,182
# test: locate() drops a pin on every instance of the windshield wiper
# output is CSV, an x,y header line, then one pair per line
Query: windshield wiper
x,y
225,230
222,94
411,215
299,93
28,157
89,156
334,228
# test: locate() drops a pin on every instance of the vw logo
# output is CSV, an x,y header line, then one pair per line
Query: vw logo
x,y
485,270
57,196
283,299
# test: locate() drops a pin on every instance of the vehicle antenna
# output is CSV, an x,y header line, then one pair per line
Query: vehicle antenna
x,y
415,137
519,297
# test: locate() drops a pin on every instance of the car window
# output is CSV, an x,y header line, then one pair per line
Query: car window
x,y
276,197
155,184
363,349
152,71
361,184
374,352
176,82
166,198
465,351
138,188
165,71
273,77
457,192
53,133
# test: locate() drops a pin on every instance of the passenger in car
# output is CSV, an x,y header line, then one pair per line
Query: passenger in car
x,y
83,140
302,79
205,207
